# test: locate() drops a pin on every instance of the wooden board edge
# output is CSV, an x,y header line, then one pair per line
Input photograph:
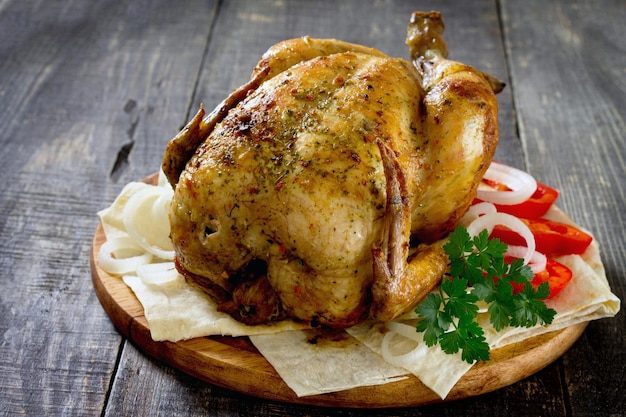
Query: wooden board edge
x,y
251,374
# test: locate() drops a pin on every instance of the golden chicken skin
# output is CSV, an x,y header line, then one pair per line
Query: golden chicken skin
x,y
320,190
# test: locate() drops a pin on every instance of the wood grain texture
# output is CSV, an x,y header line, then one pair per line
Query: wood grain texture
x,y
567,66
69,75
90,92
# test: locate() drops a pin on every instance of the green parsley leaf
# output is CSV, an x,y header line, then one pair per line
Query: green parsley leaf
x,y
477,271
530,308
431,325
460,302
475,346
468,337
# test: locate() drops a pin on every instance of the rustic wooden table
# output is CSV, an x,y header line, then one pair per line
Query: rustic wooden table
x,y
91,91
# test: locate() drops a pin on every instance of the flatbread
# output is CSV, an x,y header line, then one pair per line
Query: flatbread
x,y
310,364
177,311
315,362
587,297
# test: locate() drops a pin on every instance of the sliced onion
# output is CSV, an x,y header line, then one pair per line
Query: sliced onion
x,y
158,274
162,180
477,210
537,261
160,211
121,255
403,360
489,221
405,330
521,184
149,226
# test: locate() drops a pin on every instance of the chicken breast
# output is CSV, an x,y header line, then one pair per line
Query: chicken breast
x,y
299,195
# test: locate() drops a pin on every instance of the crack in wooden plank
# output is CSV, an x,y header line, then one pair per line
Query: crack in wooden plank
x,y
121,161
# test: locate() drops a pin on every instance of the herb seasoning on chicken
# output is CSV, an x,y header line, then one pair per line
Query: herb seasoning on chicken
x,y
298,197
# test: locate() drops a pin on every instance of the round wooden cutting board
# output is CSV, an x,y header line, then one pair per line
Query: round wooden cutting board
x,y
234,363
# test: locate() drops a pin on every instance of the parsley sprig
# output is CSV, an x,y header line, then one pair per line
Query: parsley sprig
x,y
479,272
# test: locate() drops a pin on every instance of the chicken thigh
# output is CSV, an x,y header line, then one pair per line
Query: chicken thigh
x,y
300,195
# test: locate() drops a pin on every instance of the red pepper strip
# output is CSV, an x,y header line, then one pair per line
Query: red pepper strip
x,y
551,238
556,275
536,206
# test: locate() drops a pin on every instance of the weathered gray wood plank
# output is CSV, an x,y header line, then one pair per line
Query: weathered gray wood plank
x,y
78,80
81,82
567,70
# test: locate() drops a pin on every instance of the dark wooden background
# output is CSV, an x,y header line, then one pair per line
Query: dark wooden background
x,y
91,91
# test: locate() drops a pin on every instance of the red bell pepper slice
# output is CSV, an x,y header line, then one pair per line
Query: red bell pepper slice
x,y
551,238
536,206
556,275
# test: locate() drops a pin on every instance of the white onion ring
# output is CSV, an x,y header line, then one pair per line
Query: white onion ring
x,y
160,207
150,232
162,180
537,262
158,274
121,255
403,360
477,210
521,183
405,330
489,221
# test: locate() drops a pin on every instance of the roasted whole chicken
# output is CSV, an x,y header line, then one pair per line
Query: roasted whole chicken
x,y
321,189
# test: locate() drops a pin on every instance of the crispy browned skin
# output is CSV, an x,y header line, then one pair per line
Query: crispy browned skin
x,y
322,171
461,118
